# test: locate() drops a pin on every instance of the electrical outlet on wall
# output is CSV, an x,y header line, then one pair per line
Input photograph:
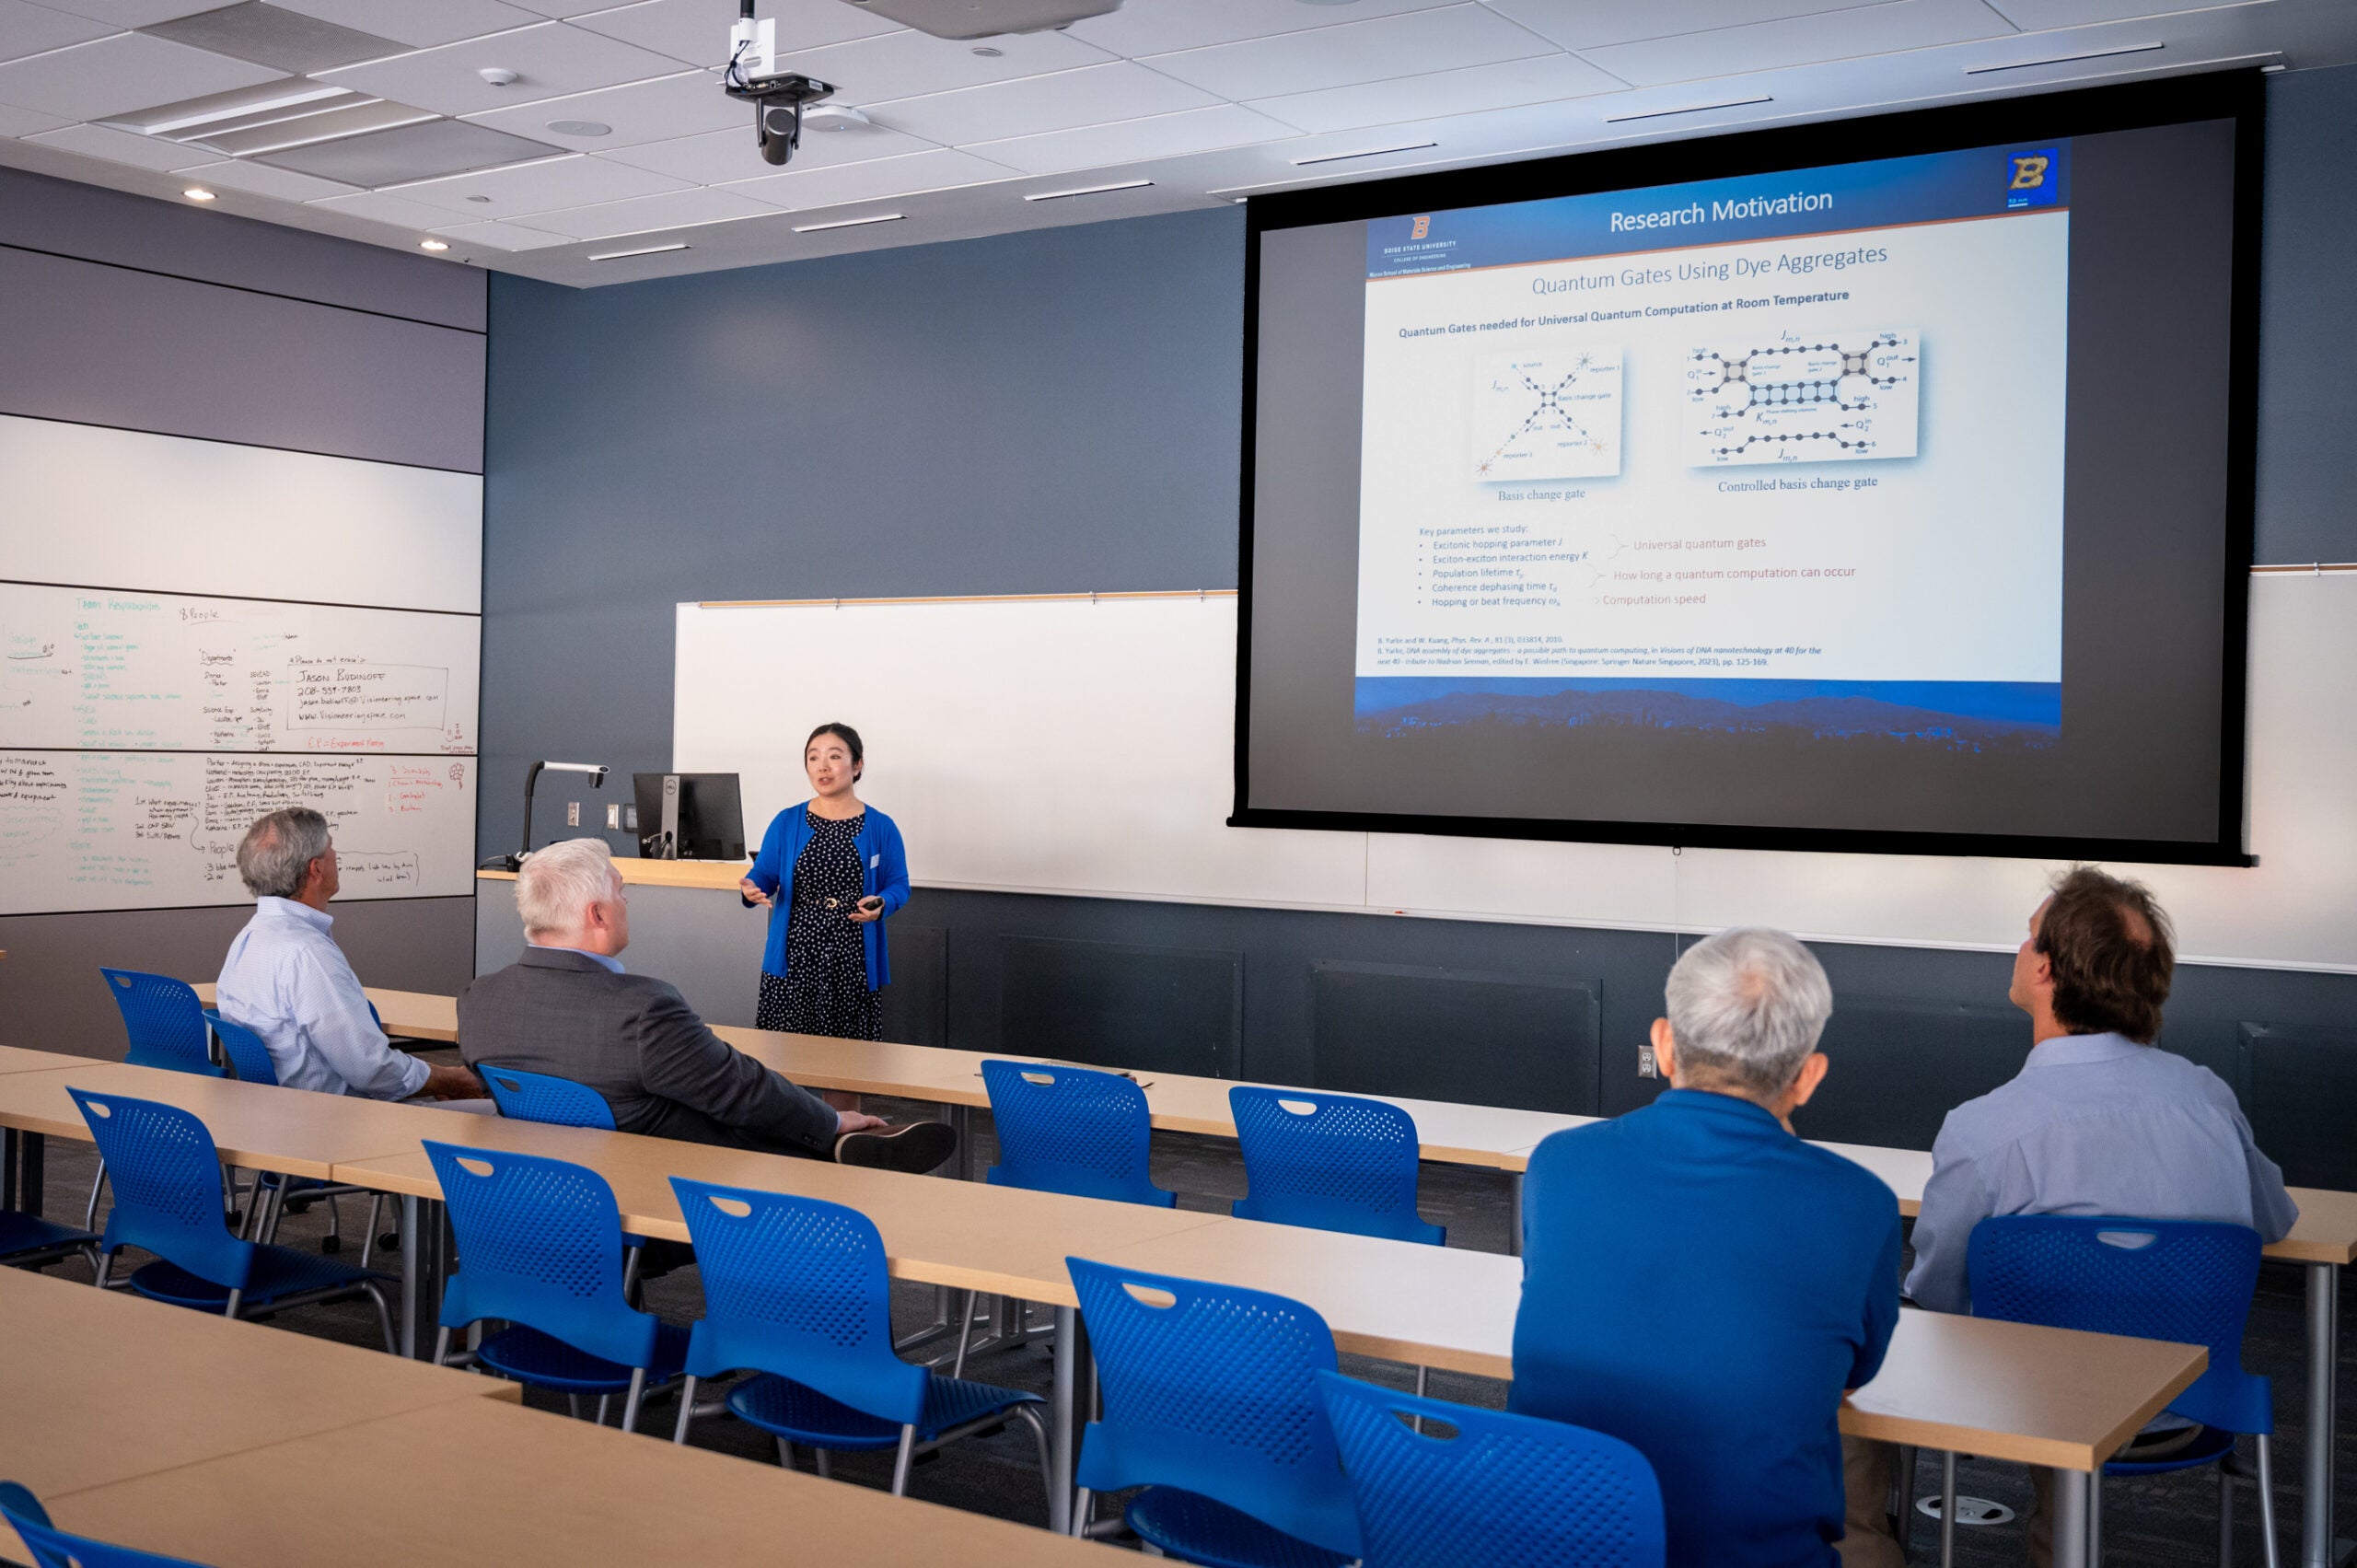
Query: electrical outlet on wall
x,y
614,814
573,813
1646,1066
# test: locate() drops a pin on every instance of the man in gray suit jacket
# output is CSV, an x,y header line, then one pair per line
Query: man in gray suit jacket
x,y
567,1008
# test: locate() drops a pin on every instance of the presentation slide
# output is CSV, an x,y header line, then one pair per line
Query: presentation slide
x,y
1782,502
1679,441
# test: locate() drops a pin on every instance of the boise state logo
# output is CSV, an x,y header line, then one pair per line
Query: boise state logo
x,y
2031,179
1421,228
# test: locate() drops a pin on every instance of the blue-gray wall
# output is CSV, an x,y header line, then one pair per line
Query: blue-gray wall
x,y
1059,411
136,314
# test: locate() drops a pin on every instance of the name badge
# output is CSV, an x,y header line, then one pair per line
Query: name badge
x,y
874,861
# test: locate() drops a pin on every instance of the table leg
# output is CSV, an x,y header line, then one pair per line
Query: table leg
x,y
961,1121
1063,1408
413,1265
2070,1519
1514,1214
2318,1549
32,1153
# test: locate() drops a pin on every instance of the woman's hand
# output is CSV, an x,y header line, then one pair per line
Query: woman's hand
x,y
753,894
868,909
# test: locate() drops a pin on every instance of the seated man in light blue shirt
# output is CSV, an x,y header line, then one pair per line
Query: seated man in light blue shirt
x,y
2100,1120
287,980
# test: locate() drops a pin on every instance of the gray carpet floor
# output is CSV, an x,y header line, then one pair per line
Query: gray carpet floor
x,y
2155,1520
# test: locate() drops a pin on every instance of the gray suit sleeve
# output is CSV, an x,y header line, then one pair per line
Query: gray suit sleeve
x,y
682,1060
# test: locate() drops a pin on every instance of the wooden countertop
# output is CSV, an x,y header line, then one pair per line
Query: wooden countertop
x,y
721,875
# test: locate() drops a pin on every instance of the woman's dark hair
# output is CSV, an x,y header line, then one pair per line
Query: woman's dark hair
x,y
2112,954
850,738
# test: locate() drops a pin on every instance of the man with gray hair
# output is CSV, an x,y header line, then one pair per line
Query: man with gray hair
x,y
287,980
567,1008
1702,1284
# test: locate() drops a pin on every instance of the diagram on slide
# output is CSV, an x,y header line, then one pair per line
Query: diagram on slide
x,y
1548,416
1804,396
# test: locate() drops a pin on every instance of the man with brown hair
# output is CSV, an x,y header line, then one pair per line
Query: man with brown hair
x,y
2099,1121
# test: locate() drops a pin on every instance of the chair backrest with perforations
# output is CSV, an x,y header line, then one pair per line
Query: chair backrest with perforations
x,y
798,1287
1071,1129
539,1243
248,1058
2188,1282
167,1178
164,1021
540,1096
1212,1389
1333,1162
1477,1488
52,1548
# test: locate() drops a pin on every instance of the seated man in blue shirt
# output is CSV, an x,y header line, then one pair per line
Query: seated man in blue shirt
x,y
1702,1284
2099,1121
287,980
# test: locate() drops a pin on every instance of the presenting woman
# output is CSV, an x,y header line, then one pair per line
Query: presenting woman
x,y
829,870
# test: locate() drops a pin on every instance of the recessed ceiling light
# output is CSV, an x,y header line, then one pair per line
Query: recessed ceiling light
x,y
478,198
1690,108
1369,152
989,52
580,128
2062,59
433,245
1089,191
834,117
642,250
197,193
849,223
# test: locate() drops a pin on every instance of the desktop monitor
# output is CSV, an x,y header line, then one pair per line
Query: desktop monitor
x,y
690,816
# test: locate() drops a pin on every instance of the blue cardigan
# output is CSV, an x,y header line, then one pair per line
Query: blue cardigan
x,y
884,870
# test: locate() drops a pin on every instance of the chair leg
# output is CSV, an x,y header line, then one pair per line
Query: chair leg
x,y
2267,1496
2225,1517
334,1242
1046,1462
1947,1509
686,1410
630,1274
236,1299
1423,1381
572,1404
97,1185
603,1400
784,1453
630,1399
384,1316
2094,1519
901,1461
965,1336
99,1274
824,1462
368,1242
1084,1505
441,1344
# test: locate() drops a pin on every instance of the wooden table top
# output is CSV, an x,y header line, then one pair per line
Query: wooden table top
x,y
462,1484
718,875
254,1126
99,1385
410,1014
16,1059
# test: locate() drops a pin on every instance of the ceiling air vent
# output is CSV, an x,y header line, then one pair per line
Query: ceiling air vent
x,y
269,118
985,18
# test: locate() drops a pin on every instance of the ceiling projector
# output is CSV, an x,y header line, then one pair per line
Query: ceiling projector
x,y
985,18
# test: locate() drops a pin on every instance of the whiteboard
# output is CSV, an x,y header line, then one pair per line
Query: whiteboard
x,y
107,668
1080,748
153,830
122,509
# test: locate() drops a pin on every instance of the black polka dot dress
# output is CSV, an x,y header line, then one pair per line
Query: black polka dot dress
x,y
824,990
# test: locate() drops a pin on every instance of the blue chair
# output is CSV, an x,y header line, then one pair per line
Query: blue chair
x,y
27,1241
1210,1404
1330,1162
52,1548
1493,1487
167,1200
166,1025
538,1096
248,1060
2188,1282
541,1244
797,1291
1071,1129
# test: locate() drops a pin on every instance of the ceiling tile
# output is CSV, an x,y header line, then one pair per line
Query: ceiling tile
x,y
566,7
673,209
553,59
1093,95
36,30
379,207
406,153
284,41
14,122
1134,141
523,189
1589,24
263,180
697,31
660,110
906,63
1768,46
123,146
719,156
798,189
128,71
132,13
1352,52
2038,15
464,237
1547,78
421,24
1153,27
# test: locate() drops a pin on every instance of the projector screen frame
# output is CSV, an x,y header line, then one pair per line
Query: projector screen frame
x,y
2231,95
